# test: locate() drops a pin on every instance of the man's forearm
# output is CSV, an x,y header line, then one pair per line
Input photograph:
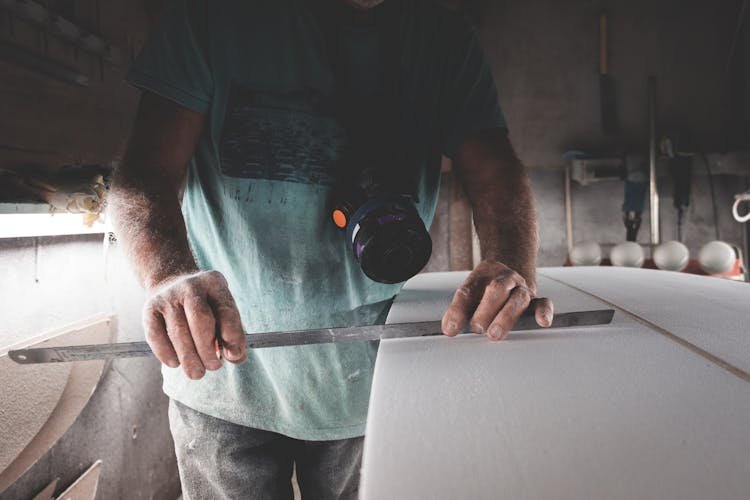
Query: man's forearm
x,y
508,233
503,286
185,310
149,222
144,198
503,206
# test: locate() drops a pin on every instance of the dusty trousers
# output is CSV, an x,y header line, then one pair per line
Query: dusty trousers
x,y
221,460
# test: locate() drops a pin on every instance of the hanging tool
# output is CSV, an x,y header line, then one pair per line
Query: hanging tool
x,y
636,178
653,188
299,337
681,170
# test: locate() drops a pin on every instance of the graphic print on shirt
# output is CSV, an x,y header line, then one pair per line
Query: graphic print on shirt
x,y
290,137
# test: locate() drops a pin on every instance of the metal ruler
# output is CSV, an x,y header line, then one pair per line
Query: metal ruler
x,y
298,337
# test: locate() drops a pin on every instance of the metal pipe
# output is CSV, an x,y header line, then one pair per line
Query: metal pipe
x,y
568,211
653,192
745,249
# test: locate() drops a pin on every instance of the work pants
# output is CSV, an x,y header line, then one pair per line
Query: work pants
x,y
221,460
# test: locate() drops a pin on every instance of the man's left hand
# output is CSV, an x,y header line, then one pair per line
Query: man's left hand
x,y
491,300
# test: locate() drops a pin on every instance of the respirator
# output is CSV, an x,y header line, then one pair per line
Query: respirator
x,y
382,227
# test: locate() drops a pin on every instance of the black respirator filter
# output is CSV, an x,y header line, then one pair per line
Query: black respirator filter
x,y
386,234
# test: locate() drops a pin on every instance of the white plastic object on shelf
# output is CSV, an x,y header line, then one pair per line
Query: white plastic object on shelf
x,y
586,253
627,254
717,257
671,256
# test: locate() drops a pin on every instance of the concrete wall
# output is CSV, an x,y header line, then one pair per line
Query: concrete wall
x,y
50,282
544,54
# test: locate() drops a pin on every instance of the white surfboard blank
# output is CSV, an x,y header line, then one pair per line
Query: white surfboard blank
x,y
710,313
616,412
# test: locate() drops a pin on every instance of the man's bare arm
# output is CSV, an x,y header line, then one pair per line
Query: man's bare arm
x,y
184,304
145,191
499,192
503,285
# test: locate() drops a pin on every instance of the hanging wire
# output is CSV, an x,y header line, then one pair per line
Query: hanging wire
x,y
713,194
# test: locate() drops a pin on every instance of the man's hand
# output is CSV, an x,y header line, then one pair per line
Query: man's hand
x,y
492,299
502,287
186,309
182,318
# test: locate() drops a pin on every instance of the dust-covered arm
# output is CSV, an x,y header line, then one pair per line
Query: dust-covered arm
x,y
185,307
503,285
145,200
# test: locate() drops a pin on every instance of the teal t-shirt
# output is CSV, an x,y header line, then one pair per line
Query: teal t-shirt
x,y
258,185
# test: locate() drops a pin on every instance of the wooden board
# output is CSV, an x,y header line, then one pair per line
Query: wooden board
x,y
48,492
84,488
613,412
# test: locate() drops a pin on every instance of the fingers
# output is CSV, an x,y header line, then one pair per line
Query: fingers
x,y
156,336
544,311
202,324
514,307
183,319
230,325
496,294
465,300
179,334
486,288
228,319
494,297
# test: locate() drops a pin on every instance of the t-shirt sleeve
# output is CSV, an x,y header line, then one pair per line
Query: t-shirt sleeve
x,y
173,63
471,95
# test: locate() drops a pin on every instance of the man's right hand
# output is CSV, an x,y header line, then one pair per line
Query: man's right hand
x,y
182,317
